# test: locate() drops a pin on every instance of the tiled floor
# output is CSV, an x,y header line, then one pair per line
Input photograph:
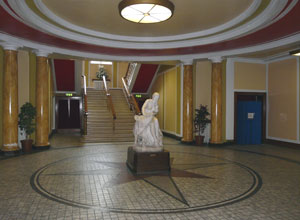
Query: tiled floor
x,y
75,181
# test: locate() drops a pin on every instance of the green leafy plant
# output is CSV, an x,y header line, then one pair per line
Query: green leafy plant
x,y
201,119
26,117
102,72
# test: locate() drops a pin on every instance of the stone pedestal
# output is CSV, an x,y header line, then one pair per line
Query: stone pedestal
x,y
148,162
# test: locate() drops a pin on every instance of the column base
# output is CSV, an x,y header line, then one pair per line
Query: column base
x,y
47,147
10,153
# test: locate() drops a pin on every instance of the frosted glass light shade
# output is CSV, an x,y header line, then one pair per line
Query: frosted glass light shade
x,y
146,11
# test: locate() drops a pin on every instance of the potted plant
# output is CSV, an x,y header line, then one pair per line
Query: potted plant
x,y
27,125
200,122
102,72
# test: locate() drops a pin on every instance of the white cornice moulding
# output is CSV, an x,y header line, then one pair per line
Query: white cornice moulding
x,y
217,59
136,58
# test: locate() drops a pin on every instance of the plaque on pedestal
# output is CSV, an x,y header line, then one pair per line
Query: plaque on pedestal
x,y
148,162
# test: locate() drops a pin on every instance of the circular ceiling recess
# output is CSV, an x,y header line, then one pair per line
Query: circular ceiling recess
x,y
196,28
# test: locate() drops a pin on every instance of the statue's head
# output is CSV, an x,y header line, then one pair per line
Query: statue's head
x,y
155,96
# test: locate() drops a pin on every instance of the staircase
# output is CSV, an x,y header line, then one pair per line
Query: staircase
x,y
100,122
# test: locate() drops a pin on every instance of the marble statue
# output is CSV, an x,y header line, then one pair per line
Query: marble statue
x,y
148,136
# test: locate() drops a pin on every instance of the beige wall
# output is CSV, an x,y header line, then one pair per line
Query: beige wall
x,y
158,86
122,70
23,77
168,85
202,84
170,106
282,96
249,76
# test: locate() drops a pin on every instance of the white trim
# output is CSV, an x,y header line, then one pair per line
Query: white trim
x,y
250,90
267,97
247,13
88,55
181,99
298,119
153,80
283,139
118,70
272,10
53,75
165,108
230,99
286,57
89,75
176,101
112,75
171,132
248,60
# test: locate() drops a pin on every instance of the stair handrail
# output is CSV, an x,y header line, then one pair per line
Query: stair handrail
x,y
109,101
85,110
131,99
130,73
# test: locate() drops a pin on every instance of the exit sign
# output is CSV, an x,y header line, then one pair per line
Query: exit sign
x,y
69,94
138,95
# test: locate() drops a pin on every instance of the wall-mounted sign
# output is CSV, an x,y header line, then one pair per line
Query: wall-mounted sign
x,y
69,94
251,115
138,96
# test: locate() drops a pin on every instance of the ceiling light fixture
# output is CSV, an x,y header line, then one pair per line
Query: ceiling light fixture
x,y
146,11
295,52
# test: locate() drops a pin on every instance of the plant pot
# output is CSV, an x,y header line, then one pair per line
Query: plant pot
x,y
199,140
27,145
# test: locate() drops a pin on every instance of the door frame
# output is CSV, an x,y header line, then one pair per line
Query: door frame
x,y
57,98
264,110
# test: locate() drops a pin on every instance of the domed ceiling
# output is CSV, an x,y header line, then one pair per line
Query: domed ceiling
x,y
197,30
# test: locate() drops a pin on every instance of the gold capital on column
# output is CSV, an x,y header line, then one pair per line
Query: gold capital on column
x,y
42,102
188,104
216,103
10,102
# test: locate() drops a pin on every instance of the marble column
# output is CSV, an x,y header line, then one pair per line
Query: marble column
x,y
42,101
216,101
188,102
10,100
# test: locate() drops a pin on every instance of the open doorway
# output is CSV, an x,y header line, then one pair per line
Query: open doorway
x,y
249,118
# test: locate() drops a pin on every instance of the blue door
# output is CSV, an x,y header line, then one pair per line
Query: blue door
x,y
249,122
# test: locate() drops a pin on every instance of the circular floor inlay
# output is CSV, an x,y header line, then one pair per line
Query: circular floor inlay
x,y
102,181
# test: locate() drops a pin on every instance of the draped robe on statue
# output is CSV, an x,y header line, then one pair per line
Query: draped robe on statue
x,y
148,136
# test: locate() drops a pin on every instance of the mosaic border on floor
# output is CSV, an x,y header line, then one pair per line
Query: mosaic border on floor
x,y
252,190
